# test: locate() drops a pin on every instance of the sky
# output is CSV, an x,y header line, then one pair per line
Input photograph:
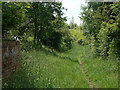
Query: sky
x,y
73,9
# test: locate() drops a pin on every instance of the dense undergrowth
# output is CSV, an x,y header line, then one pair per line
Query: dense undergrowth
x,y
102,27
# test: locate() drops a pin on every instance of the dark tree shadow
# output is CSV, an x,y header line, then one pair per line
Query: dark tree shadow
x,y
51,52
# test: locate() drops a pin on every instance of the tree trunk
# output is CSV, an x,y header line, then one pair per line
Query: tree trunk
x,y
35,8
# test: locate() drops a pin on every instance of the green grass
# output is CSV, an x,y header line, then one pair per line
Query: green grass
x,y
102,72
46,68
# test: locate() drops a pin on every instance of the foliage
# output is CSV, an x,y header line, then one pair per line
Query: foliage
x,y
66,40
42,31
42,21
60,41
72,25
12,16
44,27
77,36
101,26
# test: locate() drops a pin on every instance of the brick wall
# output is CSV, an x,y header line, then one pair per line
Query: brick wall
x,y
10,57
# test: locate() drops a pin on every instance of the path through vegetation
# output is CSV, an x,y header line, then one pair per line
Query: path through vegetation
x,y
46,68
41,25
86,76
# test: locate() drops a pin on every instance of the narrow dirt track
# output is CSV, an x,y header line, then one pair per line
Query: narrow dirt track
x,y
86,76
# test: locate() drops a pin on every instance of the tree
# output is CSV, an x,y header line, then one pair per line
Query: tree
x,y
72,24
12,16
42,21
99,25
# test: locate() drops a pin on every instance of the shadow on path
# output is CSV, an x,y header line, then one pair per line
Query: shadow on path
x,y
51,52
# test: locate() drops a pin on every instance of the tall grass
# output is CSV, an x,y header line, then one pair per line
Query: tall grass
x,y
102,72
46,68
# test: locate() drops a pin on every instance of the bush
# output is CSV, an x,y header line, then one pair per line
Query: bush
x,y
102,26
66,43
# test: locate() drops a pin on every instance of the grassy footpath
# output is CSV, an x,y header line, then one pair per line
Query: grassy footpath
x,y
50,69
45,68
102,72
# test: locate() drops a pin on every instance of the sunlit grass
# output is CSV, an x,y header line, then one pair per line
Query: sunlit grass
x,y
46,68
42,69
102,72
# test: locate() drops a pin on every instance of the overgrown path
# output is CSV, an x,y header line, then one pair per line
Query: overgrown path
x,y
86,75
46,68
77,61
